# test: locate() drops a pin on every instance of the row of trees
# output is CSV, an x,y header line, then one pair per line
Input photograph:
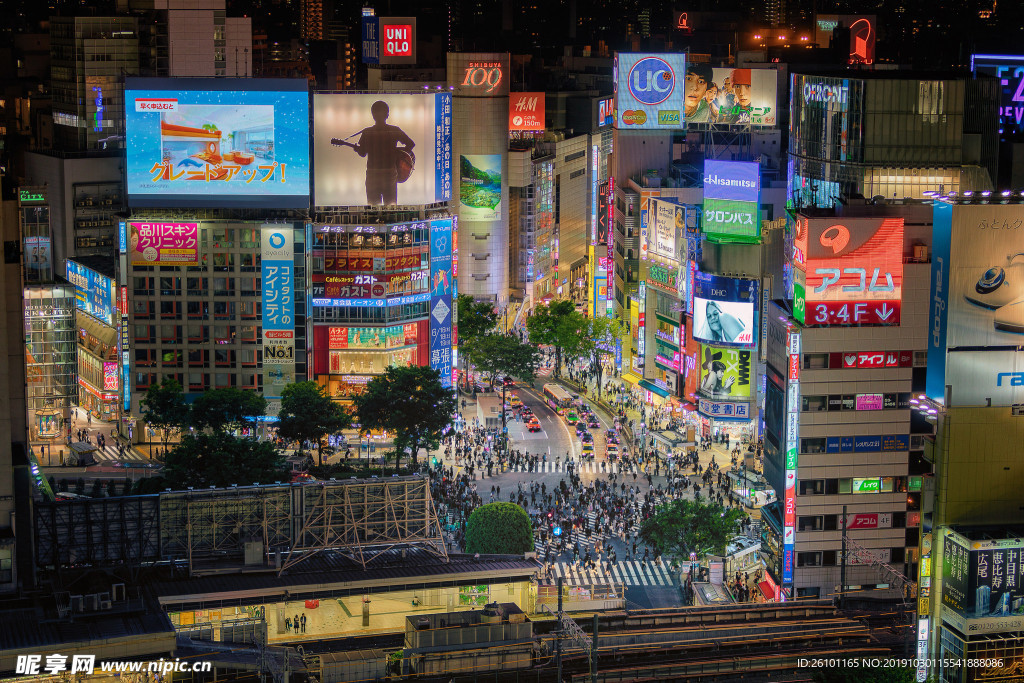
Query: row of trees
x,y
409,403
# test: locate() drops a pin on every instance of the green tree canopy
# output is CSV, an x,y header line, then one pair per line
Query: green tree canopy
x,y
681,526
410,403
164,408
476,319
603,332
227,409
499,529
309,414
221,459
556,324
500,354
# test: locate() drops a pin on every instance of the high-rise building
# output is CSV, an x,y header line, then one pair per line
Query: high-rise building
x,y
90,56
842,367
480,83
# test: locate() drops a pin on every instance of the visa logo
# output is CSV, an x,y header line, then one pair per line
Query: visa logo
x,y
668,117
1015,379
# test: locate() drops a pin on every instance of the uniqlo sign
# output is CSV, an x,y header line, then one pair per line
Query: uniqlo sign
x,y
850,270
396,40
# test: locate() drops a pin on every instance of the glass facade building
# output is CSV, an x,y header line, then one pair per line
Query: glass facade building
x,y
894,137
50,357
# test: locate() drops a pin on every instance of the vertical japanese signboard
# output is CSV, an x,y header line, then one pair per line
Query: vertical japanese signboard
x,y
126,367
610,266
278,273
441,283
792,436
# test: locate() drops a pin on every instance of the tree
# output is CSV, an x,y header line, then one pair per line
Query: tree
x,y
602,333
226,409
476,319
499,529
221,459
549,325
309,414
681,527
164,408
410,402
500,354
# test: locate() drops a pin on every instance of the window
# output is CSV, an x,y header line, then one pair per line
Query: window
x,y
223,310
170,309
812,559
815,361
224,358
816,445
845,485
812,487
142,309
143,285
831,521
196,286
810,523
170,286
197,358
198,333
814,403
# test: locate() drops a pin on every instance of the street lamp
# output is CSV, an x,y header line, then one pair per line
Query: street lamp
x,y
505,381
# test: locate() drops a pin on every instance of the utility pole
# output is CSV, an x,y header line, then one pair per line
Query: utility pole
x,y
558,638
593,654
842,567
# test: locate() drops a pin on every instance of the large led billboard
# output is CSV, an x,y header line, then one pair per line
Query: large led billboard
x,y
94,293
382,150
648,91
1009,69
728,96
667,228
849,271
724,373
442,284
977,289
724,310
480,187
732,191
205,142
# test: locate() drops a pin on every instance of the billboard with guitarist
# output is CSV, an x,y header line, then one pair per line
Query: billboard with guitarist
x,y
382,149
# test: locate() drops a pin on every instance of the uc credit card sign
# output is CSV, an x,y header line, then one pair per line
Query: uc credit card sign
x,y
217,142
649,91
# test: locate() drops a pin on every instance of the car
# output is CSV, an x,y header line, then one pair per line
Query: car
x,y
581,426
588,450
593,423
571,417
533,425
515,400
587,437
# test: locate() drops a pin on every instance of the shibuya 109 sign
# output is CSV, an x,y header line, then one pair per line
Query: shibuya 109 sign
x,y
848,271
478,74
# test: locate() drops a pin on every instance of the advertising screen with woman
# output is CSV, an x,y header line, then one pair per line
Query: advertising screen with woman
x,y
724,310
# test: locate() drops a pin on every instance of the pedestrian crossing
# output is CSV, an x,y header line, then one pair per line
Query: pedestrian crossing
x,y
589,466
625,572
109,454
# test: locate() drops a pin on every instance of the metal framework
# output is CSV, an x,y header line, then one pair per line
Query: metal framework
x,y
365,518
97,532
720,138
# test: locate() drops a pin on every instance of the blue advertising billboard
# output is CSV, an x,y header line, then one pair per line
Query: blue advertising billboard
x,y
278,282
204,142
649,91
441,288
731,201
736,180
724,310
94,293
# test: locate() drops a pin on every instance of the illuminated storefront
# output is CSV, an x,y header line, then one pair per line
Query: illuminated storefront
x,y
50,358
372,292
99,372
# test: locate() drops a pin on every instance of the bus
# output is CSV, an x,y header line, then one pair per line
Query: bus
x,y
557,397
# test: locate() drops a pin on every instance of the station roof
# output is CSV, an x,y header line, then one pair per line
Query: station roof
x,y
331,573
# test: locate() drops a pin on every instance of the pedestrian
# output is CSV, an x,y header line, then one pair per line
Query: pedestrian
x,y
302,621
296,622
288,624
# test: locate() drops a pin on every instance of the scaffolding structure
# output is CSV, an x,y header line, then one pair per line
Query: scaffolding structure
x,y
364,518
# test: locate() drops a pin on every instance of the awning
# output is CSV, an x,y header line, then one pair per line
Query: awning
x,y
767,590
632,377
652,387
